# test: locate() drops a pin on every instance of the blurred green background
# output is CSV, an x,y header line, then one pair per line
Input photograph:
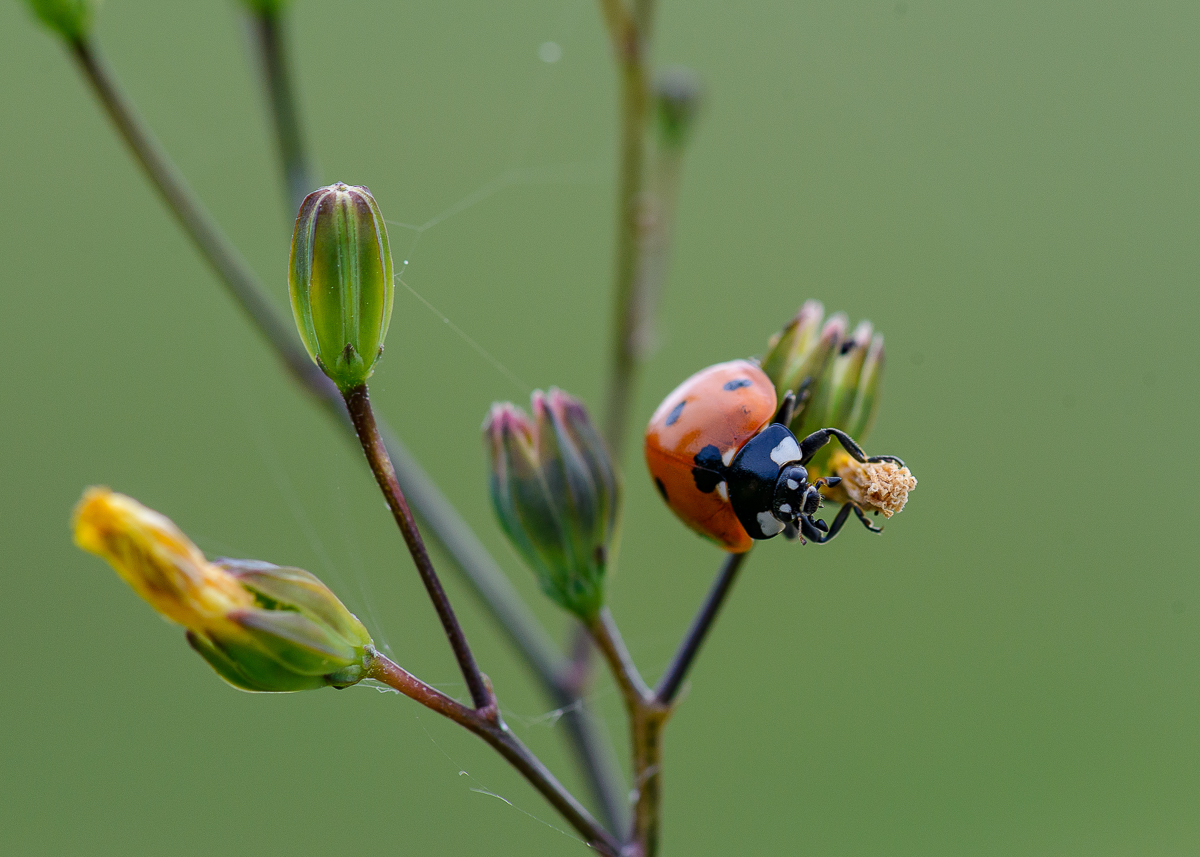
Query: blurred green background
x,y
1011,192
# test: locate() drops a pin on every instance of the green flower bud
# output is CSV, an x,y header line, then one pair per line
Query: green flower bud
x,y
556,495
261,627
677,100
846,395
300,632
836,381
797,355
341,281
71,19
265,7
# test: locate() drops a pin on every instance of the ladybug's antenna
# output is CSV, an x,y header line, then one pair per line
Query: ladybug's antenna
x,y
787,407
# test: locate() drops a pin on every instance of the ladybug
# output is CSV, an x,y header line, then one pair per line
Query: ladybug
x,y
721,455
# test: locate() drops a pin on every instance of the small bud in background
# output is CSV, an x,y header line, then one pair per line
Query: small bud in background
x,y
266,7
71,19
798,355
261,627
834,397
341,281
677,101
556,495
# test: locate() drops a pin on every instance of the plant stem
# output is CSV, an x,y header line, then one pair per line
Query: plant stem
x,y
486,722
672,680
629,44
268,24
633,689
358,404
647,717
483,574
225,260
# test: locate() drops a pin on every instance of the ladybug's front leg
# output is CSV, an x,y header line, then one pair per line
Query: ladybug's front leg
x,y
811,444
866,523
808,527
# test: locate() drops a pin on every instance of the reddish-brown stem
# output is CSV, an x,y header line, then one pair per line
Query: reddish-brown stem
x,y
358,404
487,723
480,570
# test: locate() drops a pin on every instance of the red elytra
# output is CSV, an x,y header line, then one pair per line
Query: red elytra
x,y
724,406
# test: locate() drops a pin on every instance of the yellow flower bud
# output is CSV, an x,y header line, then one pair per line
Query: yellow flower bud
x,y
154,557
261,627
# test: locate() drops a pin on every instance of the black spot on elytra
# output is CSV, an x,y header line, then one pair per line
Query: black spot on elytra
x,y
673,417
709,470
737,383
662,489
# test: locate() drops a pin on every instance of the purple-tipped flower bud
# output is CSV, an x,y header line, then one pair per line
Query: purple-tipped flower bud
x,y
798,355
261,627
836,381
677,99
341,281
265,7
556,495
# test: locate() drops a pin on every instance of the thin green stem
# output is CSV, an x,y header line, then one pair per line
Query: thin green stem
x,y
672,680
608,640
199,225
629,45
269,25
487,723
647,717
358,404
483,574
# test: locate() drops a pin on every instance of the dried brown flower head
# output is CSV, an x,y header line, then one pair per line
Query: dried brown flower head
x,y
881,486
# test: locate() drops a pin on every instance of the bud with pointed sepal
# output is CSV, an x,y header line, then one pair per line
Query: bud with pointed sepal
x,y
261,627
266,7
846,395
677,99
341,281
836,380
798,355
556,495
71,19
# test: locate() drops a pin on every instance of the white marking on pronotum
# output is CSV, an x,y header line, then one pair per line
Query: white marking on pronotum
x,y
786,450
786,508
769,524
728,456
793,484
723,491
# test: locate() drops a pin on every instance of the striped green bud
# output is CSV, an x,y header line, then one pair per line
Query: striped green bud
x,y
341,281
71,19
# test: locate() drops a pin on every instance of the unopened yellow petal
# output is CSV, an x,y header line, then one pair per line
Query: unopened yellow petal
x,y
154,557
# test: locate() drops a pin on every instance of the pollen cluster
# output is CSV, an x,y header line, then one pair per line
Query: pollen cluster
x,y
875,485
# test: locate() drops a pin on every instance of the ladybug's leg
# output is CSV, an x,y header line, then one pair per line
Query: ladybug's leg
x,y
813,533
783,416
816,440
862,517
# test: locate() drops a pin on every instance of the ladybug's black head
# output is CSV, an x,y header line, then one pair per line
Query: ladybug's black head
x,y
793,495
